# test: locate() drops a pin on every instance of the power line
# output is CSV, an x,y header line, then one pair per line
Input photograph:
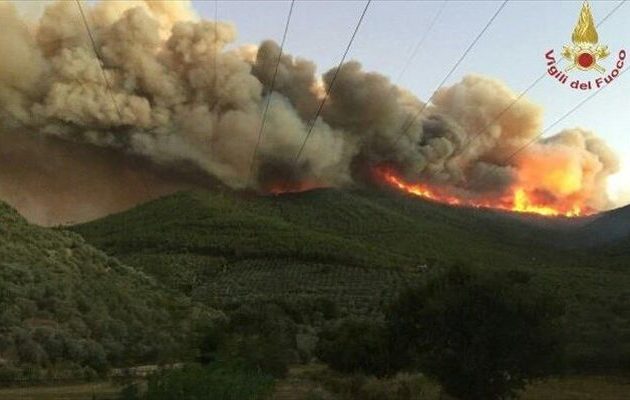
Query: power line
x,y
99,61
520,97
410,121
215,100
332,82
216,49
621,3
530,87
273,81
546,130
422,40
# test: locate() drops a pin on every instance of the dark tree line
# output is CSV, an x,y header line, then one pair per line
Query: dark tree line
x,y
483,337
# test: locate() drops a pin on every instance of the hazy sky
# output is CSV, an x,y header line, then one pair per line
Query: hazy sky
x,y
512,49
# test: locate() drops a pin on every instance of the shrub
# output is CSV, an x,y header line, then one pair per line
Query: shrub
x,y
8,374
217,382
211,338
481,337
356,345
257,337
258,353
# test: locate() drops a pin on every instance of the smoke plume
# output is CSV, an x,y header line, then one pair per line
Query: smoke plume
x,y
174,104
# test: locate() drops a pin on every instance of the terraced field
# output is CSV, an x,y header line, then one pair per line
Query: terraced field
x,y
358,290
358,249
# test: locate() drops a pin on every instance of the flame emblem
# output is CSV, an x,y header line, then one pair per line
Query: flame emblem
x,y
585,52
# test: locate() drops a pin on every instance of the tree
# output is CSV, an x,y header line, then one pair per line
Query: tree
x,y
481,337
262,338
256,337
212,337
356,345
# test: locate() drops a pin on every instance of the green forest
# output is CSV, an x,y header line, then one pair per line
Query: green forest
x,y
248,290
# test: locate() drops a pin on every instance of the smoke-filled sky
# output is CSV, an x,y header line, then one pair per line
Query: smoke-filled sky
x,y
185,98
512,50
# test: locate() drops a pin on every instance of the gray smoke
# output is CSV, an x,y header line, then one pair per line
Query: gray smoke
x,y
180,98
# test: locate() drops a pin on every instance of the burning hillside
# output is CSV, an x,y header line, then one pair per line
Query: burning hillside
x,y
172,92
517,199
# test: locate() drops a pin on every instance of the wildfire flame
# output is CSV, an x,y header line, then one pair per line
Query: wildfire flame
x,y
518,199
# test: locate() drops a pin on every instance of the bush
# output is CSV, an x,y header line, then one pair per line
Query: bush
x,y
130,392
480,337
8,374
356,345
211,338
258,353
257,337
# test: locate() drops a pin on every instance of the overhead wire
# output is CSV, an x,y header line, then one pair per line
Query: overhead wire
x,y
331,84
215,69
216,47
99,61
548,128
522,95
271,86
409,123
530,87
422,40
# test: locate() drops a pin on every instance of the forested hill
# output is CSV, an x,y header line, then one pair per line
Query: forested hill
x,y
131,295
368,229
69,310
357,249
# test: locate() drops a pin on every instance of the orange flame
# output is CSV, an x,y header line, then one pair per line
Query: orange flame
x,y
517,200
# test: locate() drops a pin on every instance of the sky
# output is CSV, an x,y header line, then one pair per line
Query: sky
x,y
512,50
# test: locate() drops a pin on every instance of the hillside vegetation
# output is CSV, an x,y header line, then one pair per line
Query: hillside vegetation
x,y
357,250
68,310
